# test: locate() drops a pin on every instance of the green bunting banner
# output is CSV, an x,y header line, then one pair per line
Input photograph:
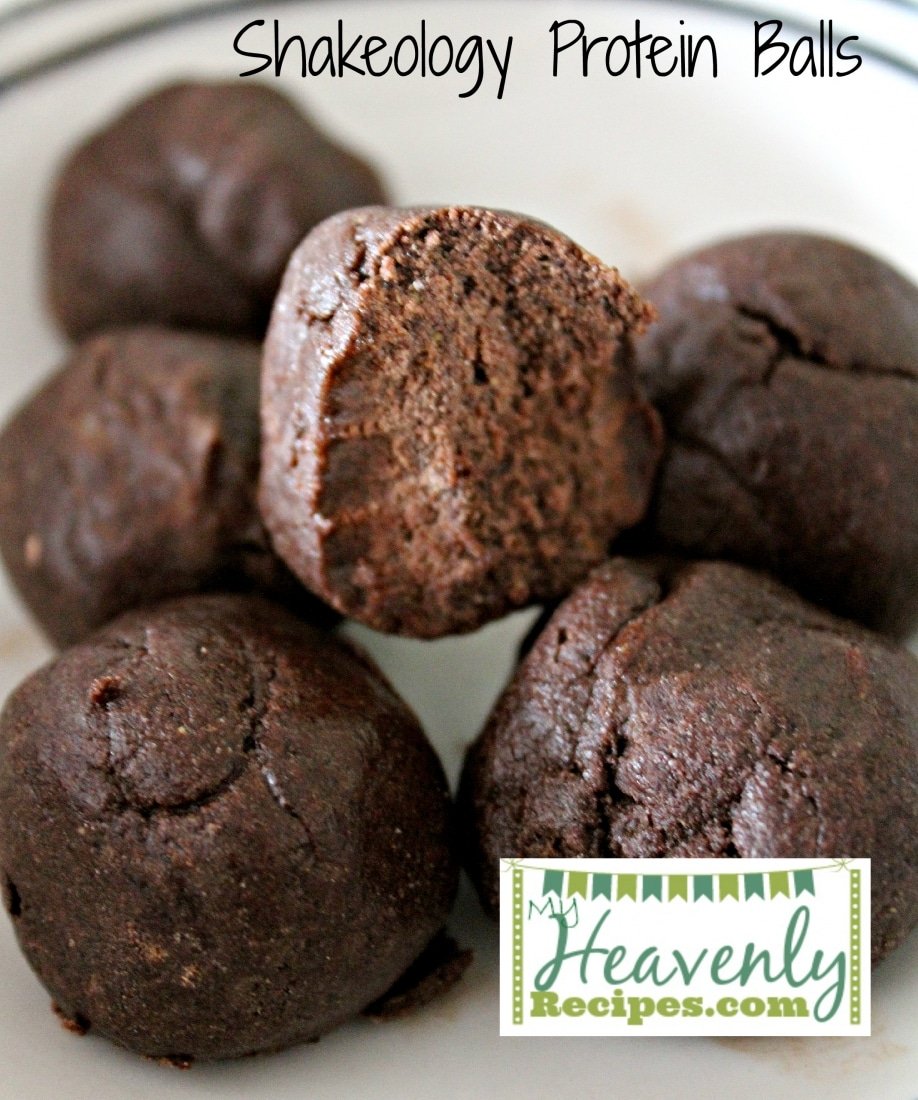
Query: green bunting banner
x,y
725,887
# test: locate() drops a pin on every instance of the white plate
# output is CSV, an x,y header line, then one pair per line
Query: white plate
x,y
635,170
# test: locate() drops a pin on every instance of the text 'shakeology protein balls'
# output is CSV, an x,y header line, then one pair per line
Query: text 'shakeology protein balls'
x,y
450,422
185,208
221,831
785,366
702,710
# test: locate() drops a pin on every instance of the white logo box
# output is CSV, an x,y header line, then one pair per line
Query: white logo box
x,y
685,947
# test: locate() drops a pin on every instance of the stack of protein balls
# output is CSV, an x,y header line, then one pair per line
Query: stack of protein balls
x,y
221,831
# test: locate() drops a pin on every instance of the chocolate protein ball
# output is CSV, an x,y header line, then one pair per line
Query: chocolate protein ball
x,y
450,422
221,831
131,475
185,208
786,370
702,710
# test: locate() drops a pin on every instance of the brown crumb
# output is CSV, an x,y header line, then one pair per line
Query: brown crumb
x,y
75,1023
175,1061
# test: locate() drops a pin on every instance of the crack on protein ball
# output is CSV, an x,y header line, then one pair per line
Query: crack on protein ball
x,y
12,899
787,765
359,274
791,345
617,744
783,761
611,799
256,702
192,805
788,344
479,373
589,664
817,811
652,601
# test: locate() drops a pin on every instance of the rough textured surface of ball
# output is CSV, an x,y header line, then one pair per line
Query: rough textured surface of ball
x,y
221,831
702,710
450,422
785,367
131,475
185,208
